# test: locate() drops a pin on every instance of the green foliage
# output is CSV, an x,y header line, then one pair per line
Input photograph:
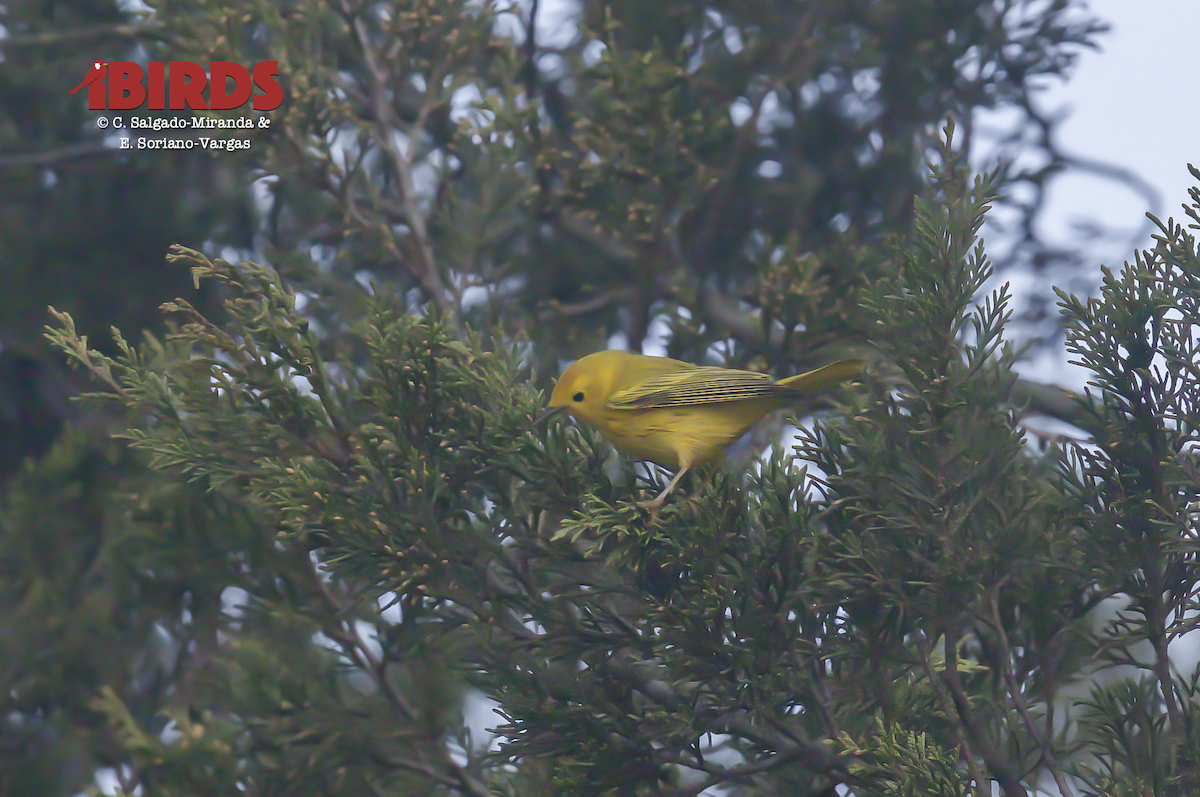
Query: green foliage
x,y
874,634
900,763
945,530
1137,485
103,580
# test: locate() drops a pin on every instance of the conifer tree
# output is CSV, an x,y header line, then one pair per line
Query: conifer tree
x,y
905,622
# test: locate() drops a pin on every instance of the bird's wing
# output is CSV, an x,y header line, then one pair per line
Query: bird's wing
x,y
694,386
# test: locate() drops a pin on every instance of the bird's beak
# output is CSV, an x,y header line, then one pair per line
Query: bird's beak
x,y
547,414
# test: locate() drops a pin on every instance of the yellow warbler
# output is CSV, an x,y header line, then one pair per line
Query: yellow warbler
x,y
673,413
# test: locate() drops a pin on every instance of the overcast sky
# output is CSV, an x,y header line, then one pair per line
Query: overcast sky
x,y
1133,103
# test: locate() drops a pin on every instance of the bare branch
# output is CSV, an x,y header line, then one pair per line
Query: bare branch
x,y
90,33
343,631
998,763
1018,697
385,135
54,157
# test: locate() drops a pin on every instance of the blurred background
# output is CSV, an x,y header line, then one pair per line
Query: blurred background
x,y
1124,158
709,181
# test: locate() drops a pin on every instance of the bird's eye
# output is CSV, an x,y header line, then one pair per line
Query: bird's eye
x,y
96,65
577,397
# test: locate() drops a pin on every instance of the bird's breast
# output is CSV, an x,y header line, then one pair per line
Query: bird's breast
x,y
696,434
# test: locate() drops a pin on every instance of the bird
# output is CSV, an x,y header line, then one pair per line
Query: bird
x,y
675,414
99,69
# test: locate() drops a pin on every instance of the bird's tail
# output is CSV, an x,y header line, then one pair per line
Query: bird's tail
x,y
821,378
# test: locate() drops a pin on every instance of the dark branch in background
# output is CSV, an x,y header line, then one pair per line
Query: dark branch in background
x,y
1031,248
75,35
544,172
599,302
1120,174
53,157
82,35
340,627
1053,401
385,124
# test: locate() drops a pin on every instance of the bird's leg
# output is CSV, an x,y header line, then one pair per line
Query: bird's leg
x,y
656,503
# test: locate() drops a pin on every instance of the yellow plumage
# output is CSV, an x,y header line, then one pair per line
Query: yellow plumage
x,y
675,414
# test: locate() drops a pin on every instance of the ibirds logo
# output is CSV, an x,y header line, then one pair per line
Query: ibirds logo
x,y
129,86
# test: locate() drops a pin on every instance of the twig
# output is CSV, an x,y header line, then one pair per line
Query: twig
x,y
56,156
946,704
385,126
815,755
1000,766
532,84
128,30
377,667
1019,699
555,311
718,775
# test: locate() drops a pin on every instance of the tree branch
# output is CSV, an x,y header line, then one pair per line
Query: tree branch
x,y
55,156
946,704
376,666
90,33
1019,699
736,723
1000,766
385,129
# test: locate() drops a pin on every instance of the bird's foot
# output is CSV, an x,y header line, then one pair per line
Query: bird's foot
x,y
653,505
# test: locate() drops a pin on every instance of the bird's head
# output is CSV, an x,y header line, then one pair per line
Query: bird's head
x,y
586,385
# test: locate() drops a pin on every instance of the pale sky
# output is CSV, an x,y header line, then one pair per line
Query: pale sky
x,y
1134,103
